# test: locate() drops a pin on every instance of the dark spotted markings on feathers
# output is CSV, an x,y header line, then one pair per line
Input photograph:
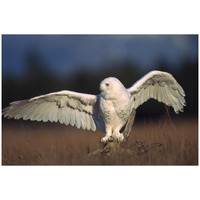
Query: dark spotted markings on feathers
x,y
109,110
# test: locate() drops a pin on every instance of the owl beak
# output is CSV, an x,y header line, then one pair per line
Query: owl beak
x,y
101,88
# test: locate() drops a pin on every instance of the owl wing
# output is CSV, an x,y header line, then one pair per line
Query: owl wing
x,y
65,107
160,86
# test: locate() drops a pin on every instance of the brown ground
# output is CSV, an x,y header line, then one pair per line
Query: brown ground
x,y
33,143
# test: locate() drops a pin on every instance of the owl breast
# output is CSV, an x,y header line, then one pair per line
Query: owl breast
x,y
114,112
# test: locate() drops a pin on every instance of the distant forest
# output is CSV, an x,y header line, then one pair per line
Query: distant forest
x,y
39,81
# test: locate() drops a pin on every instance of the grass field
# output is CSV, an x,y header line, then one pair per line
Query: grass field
x,y
33,143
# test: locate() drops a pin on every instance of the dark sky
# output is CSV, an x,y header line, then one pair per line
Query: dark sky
x,y
68,54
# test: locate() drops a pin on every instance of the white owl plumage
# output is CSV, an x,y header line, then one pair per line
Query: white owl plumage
x,y
109,111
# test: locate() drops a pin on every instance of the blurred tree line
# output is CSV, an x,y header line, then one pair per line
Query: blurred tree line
x,y
38,80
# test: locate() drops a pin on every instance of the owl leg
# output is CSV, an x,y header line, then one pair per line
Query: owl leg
x,y
107,137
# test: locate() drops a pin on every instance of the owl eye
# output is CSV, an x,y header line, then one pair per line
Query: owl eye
x,y
106,84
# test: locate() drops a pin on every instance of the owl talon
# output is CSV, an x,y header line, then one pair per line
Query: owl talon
x,y
106,139
118,136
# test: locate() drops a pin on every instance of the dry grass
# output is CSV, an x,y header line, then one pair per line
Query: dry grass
x,y
33,143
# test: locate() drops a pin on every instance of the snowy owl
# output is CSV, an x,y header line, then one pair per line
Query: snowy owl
x,y
109,111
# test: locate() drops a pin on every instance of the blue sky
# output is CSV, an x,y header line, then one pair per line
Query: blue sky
x,y
68,54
